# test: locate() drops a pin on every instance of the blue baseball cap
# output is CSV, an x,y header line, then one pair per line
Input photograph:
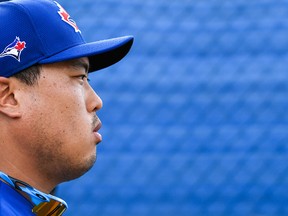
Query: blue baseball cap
x,y
42,32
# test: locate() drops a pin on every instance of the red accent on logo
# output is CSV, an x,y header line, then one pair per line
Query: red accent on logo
x,y
66,17
20,45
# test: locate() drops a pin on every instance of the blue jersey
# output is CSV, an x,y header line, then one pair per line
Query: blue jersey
x,y
13,203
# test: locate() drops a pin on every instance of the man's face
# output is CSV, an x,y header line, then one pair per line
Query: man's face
x,y
61,121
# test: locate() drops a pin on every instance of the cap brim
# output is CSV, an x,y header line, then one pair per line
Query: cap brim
x,y
101,54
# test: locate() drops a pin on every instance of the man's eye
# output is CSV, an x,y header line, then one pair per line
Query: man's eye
x,y
83,77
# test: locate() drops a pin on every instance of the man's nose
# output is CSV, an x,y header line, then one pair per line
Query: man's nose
x,y
94,101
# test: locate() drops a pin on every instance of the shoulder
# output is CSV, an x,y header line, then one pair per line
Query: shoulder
x,y
12,203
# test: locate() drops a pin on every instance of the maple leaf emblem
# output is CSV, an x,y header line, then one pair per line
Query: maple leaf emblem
x,y
20,45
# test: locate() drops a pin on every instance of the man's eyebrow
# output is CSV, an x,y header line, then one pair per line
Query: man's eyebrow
x,y
78,63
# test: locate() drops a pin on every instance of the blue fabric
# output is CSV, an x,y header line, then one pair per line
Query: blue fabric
x,y
45,33
12,203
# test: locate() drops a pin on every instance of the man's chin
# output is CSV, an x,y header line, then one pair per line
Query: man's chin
x,y
77,171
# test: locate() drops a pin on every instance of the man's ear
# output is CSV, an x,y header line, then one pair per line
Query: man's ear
x,y
9,105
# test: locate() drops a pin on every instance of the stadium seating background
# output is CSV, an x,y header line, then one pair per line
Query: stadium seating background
x,y
195,119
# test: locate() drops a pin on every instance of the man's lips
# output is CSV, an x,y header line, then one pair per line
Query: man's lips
x,y
98,126
96,133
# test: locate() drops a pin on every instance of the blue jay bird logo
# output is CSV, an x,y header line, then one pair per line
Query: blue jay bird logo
x,y
66,17
14,49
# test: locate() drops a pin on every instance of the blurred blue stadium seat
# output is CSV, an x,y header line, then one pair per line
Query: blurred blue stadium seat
x,y
195,119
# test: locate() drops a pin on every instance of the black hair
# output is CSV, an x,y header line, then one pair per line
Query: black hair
x,y
30,75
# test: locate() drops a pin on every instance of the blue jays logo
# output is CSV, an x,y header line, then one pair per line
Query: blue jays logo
x,y
66,17
14,49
